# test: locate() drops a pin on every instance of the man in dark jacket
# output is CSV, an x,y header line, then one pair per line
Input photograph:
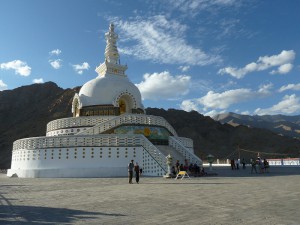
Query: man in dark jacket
x,y
137,172
130,171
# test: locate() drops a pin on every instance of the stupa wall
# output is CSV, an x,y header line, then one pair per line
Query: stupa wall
x,y
82,162
84,156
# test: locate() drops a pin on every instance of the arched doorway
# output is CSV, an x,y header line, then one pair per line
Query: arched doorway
x,y
125,104
76,110
122,105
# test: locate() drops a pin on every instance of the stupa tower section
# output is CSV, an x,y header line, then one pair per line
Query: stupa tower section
x,y
111,51
111,93
111,64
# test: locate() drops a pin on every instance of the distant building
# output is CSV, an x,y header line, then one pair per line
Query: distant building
x,y
108,129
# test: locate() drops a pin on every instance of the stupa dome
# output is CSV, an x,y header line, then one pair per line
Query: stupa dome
x,y
108,90
111,92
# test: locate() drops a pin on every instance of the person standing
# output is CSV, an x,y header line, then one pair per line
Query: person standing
x,y
232,163
137,172
253,166
266,165
238,164
261,165
244,163
130,171
177,167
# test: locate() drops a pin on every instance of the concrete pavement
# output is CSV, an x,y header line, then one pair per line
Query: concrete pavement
x,y
232,197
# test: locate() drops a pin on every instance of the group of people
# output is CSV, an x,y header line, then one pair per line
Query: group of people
x,y
191,168
235,164
134,168
263,165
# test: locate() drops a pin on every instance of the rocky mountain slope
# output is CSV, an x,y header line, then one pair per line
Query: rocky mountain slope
x,y
280,124
25,112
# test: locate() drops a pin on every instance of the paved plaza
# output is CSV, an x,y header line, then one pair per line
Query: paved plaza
x,y
231,197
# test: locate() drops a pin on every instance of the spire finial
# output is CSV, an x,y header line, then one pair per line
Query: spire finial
x,y
111,51
111,27
112,64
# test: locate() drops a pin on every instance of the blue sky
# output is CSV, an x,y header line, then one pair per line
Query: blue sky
x,y
212,56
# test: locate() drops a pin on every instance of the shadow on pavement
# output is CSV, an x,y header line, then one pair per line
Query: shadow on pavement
x,y
10,214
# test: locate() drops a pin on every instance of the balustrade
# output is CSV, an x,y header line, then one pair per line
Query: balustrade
x,y
192,158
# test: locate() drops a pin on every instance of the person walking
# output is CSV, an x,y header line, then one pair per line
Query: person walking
x,y
253,164
130,171
137,172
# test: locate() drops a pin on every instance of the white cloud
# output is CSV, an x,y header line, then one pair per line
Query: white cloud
x,y
265,89
184,68
189,105
80,68
283,69
55,52
224,100
294,87
194,7
161,40
163,86
38,81
213,113
245,112
3,86
288,105
282,61
56,64
19,66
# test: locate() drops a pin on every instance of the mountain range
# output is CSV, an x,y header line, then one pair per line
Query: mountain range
x,y
280,124
25,112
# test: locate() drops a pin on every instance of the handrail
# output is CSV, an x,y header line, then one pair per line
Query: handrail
x,y
76,141
155,153
187,142
128,119
70,122
192,158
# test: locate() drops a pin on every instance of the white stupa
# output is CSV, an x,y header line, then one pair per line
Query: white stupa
x,y
108,129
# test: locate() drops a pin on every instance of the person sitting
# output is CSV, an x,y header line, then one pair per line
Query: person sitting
x,y
197,168
173,171
191,168
181,168
202,172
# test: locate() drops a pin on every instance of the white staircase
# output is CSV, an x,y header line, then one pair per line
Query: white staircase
x,y
166,150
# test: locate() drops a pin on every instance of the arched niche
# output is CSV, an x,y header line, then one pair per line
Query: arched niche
x,y
125,104
76,106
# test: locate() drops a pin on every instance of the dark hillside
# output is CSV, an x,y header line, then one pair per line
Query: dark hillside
x,y
223,139
25,112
